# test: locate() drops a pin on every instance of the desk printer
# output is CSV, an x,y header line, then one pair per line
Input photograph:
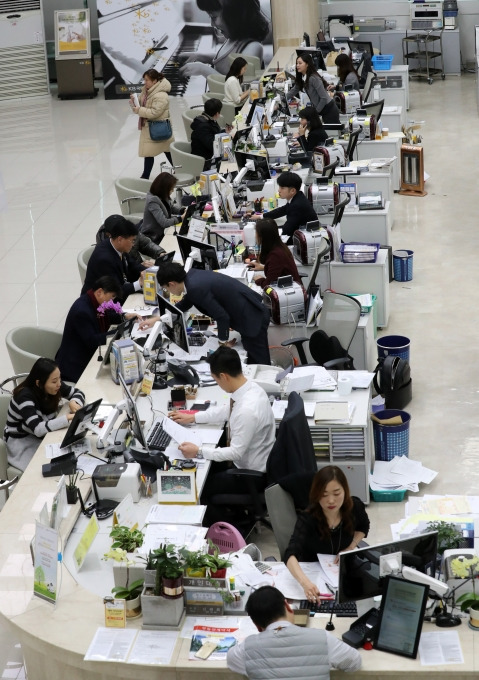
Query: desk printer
x,y
286,300
115,481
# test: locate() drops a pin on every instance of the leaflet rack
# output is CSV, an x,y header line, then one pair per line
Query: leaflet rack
x,y
427,47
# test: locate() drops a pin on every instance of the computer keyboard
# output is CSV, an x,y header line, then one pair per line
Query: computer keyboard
x,y
157,437
325,606
196,340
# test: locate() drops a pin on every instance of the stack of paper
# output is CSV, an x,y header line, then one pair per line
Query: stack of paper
x,y
322,379
333,411
400,473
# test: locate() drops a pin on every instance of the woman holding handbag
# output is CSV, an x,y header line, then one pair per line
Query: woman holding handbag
x,y
154,119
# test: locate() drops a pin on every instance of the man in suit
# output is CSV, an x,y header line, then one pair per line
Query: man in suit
x,y
298,210
230,303
111,258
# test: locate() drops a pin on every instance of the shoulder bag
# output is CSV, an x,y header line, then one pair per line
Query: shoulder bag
x,y
160,130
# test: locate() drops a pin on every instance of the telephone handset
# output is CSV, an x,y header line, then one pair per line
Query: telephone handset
x,y
183,372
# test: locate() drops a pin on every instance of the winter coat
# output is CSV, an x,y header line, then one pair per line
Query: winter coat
x,y
157,108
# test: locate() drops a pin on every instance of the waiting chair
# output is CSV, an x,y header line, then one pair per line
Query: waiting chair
x,y
189,115
182,156
226,537
26,344
339,318
228,111
216,83
253,69
131,192
374,109
82,261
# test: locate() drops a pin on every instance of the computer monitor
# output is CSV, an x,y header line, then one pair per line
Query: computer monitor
x,y
360,574
132,412
123,330
251,111
209,258
78,429
177,331
244,132
360,49
317,56
325,46
260,163
219,242
401,617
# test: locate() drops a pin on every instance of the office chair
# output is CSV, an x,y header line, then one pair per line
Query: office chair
x,y
182,156
338,319
216,83
367,86
374,109
328,170
131,193
26,344
352,143
8,473
82,261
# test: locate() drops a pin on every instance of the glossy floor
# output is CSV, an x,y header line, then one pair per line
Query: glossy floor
x,y
58,163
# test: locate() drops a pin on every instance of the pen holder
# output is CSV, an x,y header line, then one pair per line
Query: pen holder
x,y
72,494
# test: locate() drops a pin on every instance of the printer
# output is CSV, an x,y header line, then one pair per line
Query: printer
x,y
286,300
115,481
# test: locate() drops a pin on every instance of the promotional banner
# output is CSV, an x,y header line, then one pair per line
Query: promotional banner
x,y
45,563
72,34
186,40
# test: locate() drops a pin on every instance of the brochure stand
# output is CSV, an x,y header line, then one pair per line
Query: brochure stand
x,y
73,54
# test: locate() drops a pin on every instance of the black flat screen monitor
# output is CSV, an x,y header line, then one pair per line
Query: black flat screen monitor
x,y
209,258
77,429
325,46
360,49
260,163
317,56
359,570
401,617
177,331
132,412
123,330
219,242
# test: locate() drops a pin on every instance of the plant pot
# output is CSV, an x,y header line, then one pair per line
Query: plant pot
x,y
172,588
196,572
123,573
474,617
159,611
72,495
219,573
133,607
150,577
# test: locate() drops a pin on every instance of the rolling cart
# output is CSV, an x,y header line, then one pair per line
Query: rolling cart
x,y
426,48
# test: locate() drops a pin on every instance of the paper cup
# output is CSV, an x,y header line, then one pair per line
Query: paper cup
x,y
345,385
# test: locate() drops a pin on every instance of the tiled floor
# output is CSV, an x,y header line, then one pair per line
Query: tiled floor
x,y
58,162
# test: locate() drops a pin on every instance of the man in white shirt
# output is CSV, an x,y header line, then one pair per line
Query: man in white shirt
x,y
283,650
251,426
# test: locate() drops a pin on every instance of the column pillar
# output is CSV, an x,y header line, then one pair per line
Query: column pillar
x,y
292,18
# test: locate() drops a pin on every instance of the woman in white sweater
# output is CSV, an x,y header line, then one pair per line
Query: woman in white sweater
x,y
233,84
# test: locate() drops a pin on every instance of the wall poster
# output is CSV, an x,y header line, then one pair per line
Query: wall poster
x,y
72,34
185,39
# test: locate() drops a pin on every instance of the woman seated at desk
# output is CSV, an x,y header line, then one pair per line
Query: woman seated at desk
x,y
334,522
311,128
234,84
34,408
347,74
275,258
160,211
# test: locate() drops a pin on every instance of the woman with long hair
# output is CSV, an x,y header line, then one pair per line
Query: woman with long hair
x,y
308,80
244,27
154,105
233,84
347,74
160,211
311,128
334,522
34,408
275,258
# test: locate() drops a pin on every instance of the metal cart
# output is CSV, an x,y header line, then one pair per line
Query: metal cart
x,y
426,48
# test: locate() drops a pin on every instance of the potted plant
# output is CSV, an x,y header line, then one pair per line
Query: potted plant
x,y
126,538
218,565
468,568
130,592
163,604
71,488
449,537
127,541
196,562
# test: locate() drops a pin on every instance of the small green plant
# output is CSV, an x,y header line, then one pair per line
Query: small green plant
x,y
126,538
462,567
128,592
449,536
167,563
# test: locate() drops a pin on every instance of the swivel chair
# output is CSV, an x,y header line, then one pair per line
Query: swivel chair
x,y
131,193
8,473
228,111
374,109
26,344
216,83
82,261
339,318
182,156
189,115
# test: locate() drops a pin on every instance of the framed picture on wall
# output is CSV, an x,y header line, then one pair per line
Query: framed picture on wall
x,y
176,486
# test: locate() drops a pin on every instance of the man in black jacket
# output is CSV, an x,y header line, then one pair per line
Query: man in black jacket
x,y
111,258
204,129
298,209
230,303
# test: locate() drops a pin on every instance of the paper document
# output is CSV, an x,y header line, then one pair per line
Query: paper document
x,y
54,450
279,406
332,410
178,534
153,647
360,380
288,585
298,383
110,644
175,514
322,379
87,464
180,433
440,648
329,569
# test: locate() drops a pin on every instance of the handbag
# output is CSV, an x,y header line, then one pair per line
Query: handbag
x,y
392,379
159,130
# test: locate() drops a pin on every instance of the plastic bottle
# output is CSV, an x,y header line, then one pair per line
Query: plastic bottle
x,y
233,246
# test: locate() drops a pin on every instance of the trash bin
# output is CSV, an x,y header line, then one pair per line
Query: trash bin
x,y
391,440
402,265
395,345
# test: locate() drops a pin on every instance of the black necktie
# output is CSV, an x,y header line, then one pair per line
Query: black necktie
x,y
124,264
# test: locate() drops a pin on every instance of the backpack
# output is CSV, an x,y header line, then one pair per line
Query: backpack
x,y
392,379
325,348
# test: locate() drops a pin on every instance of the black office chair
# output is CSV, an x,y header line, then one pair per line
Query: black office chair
x,y
374,109
329,345
328,170
351,148
292,452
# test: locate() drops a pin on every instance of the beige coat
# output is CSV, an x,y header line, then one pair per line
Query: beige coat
x,y
157,108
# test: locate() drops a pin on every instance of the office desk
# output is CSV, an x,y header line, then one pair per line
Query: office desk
x,y
393,118
368,226
383,148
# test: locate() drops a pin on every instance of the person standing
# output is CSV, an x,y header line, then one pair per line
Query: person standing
x,y
308,80
154,105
